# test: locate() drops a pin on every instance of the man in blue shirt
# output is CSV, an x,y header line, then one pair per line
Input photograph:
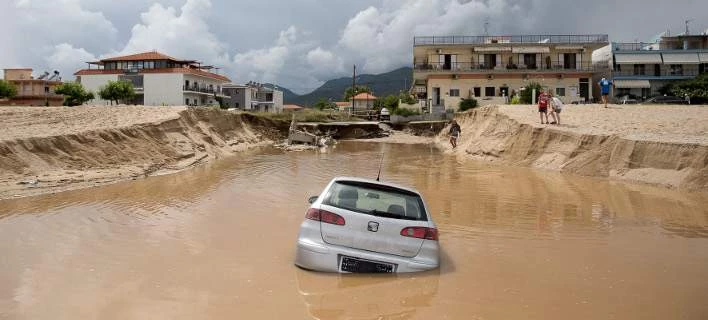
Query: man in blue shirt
x,y
604,89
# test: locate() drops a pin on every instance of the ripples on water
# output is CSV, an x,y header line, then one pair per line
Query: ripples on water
x,y
216,241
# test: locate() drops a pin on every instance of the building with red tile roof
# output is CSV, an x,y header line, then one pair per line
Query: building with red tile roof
x,y
158,79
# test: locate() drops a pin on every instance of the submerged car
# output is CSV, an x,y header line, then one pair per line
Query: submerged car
x,y
361,225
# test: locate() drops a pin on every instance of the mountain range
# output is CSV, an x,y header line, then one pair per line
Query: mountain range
x,y
381,85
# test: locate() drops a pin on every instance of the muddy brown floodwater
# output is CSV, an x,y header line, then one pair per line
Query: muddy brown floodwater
x,y
217,242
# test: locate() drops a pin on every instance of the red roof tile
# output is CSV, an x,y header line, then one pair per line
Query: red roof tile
x,y
292,107
364,96
150,55
160,70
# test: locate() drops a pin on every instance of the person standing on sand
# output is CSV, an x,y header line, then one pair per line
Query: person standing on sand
x,y
543,106
455,131
556,108
604,89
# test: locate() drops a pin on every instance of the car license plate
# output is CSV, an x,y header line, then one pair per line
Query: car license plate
x,y
350,264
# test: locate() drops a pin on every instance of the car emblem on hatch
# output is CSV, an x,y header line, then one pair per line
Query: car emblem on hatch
x,y
373,226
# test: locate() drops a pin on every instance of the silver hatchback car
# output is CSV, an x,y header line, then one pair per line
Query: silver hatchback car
x,y
362,225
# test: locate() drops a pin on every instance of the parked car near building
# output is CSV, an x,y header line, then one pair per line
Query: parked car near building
x,y
666,100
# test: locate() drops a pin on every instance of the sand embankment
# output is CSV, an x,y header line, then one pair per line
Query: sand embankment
x,y
54,149
661,145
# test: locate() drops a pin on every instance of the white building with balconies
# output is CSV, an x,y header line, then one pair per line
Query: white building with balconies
x,y
158,79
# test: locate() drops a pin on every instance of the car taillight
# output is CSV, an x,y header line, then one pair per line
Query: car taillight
x,y
325,216
420,233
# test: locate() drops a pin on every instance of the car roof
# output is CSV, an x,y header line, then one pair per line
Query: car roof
x,y
371,181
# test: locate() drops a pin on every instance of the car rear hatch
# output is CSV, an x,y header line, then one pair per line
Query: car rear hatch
x,y
377,218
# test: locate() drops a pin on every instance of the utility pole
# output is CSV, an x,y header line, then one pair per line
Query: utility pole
x,y
353,89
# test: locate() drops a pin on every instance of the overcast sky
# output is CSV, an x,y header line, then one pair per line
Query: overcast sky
x,y
299,44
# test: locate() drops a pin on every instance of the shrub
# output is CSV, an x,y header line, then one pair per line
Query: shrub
x,y
466,104
515,100
405,112
7,89
407,99
74,93
528,91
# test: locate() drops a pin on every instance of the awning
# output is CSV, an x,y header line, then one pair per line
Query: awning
x,y
569,48
679,58
703,57
638,58
492,49
531,50
632,84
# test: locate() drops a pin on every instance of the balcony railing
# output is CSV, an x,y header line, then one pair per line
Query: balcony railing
x,y
200,89
553,66
685,72
644,46
552,39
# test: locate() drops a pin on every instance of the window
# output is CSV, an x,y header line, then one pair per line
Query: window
x,y
46,89
639,69
477,91
186,101
490,91
676,69
569,61
490,61
623,91
376,200
646,92
530,60
454,92
560,92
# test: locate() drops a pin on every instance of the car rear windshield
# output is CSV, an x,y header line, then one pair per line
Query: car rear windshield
x,y
375,199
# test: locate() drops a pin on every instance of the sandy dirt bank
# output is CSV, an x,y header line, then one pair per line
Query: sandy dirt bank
x,y
661,145
46,150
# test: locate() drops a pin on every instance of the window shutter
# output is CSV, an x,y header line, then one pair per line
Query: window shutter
x,y
578,61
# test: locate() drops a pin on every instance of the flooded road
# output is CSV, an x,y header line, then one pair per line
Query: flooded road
x,y
217,242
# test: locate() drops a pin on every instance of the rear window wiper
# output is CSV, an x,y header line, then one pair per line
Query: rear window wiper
x,y
386,214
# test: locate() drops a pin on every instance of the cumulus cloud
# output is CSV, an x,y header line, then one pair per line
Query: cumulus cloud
x,y
383,37
66,57
324,63
183,34
32,30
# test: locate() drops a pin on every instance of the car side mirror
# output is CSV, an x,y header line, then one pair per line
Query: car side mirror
x,y
312,199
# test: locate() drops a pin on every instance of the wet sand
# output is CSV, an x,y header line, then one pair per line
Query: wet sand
x,y
217,242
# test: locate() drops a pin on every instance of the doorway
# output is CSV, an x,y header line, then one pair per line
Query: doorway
x,y
436,96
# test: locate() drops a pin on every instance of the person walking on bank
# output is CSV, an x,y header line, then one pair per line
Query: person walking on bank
x,y
556,108
543,106
604,89
455,131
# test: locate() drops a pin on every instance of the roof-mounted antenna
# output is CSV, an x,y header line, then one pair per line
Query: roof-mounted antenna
x,y
486,26
378,176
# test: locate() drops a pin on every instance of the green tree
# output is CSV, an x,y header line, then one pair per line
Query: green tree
x,y
324,104
117,91
407,98
74,93
7,89
348,93
696,88
391,102
466,104
528,91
